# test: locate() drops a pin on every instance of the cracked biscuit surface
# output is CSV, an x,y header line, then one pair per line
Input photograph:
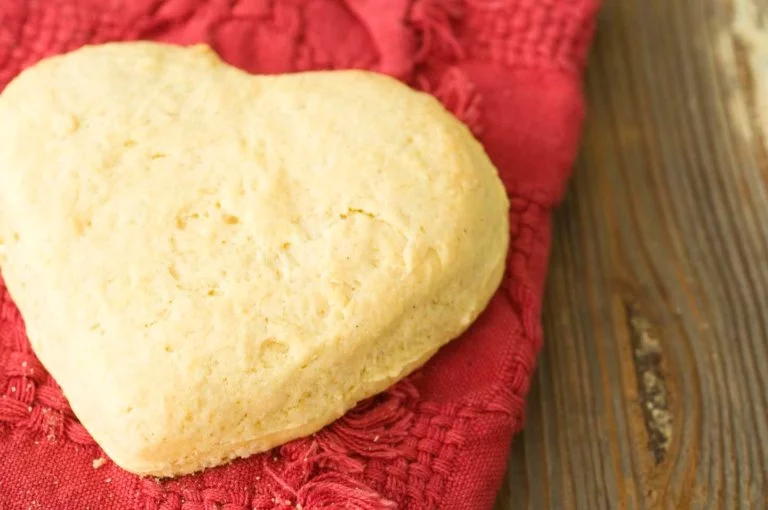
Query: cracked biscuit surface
x,y
212,263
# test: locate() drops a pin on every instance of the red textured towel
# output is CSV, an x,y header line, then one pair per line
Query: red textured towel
x,y
511,70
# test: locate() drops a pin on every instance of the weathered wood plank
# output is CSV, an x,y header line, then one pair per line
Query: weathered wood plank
x,y
652,390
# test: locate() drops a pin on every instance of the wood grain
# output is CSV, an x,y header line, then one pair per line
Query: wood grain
x,y
652,389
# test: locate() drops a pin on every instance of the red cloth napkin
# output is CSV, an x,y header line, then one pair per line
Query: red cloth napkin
x,y
511,70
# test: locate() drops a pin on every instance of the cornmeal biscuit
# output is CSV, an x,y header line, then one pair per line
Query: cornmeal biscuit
x,y
212,263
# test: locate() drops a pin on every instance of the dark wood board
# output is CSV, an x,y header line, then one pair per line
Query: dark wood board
x,y
652,388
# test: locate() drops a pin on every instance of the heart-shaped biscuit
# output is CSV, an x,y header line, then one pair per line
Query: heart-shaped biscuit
x,y
212,263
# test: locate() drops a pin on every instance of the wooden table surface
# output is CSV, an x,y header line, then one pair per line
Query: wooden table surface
x,y
652,389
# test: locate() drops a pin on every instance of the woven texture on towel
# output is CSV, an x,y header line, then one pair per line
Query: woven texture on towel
x,y
511,70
